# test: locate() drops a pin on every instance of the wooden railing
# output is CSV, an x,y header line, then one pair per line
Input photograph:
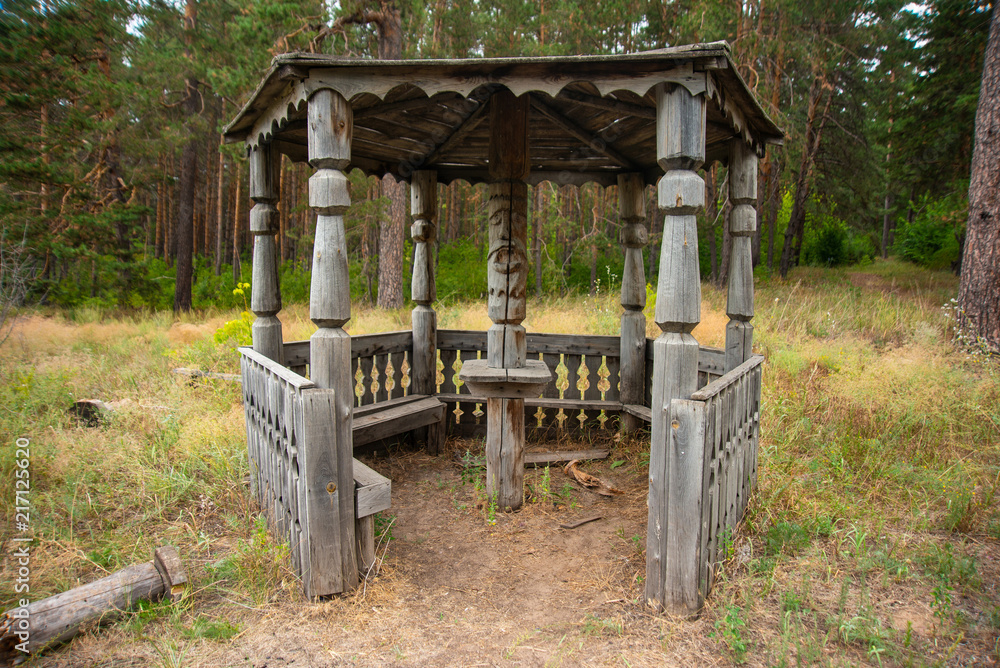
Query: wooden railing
x,y
582,396
288,442
380,364
715,437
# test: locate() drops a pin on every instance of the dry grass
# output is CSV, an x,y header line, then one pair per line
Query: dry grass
x,y
872,537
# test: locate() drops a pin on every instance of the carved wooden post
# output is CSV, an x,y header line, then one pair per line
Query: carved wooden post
x,y
680,147
632,205
742,225
423,206
265,295
506,343
330,130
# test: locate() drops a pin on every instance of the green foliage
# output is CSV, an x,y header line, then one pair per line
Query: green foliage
x,y
932,238
730,630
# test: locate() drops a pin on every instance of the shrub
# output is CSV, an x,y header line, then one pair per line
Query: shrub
x,y
931,239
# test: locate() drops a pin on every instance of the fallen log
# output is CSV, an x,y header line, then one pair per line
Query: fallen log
x,y
31,628
198,373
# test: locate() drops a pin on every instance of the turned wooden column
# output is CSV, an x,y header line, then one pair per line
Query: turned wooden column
x,y
330,127
423,206
632,208
680,148
265,293
742,225
506,344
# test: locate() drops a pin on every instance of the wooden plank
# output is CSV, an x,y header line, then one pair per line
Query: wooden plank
x,y
540,459
396,420
271,366
682,594
330,557
296,353
641,412
398,401
545,402
372,490
720,384
464,128
367,345
461,339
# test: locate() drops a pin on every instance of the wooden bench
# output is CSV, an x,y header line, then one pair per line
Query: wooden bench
x,y
385,419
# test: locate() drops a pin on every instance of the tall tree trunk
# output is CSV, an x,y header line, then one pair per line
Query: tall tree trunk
x,y
390,246
979,290
220,221
189,169
815,122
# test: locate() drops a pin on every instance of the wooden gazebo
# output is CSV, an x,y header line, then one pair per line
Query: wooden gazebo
x,y
627,120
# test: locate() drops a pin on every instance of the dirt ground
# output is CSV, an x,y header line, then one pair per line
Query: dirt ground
x,y
454,590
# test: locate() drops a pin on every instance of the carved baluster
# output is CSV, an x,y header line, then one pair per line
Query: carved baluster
x,y
265,295
742,225
632,207
680,145
330,127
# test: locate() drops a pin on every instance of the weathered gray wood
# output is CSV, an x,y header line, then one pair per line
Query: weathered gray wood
x,y
740,299
508,147
448,372
264,170
382,377
58,618
505,452
327,475
588,138
331,126
396,360
609,104
507,273
265,298
632,206
678,295
423,361
742,172
680,128
632,350
396,420
375,408
717,386
372,490
330,287
681,543
638,411
364,531
265,295
545,402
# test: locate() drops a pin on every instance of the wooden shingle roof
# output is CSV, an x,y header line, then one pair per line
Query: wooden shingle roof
x,y
591,118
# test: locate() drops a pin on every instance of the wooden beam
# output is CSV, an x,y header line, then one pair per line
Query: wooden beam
x,y
584,135
380,108
465,127
609,104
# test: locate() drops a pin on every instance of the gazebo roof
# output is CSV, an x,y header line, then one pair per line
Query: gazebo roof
x,y
591,117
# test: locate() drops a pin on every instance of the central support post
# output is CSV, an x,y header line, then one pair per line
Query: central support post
x,y
506,376
506,344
